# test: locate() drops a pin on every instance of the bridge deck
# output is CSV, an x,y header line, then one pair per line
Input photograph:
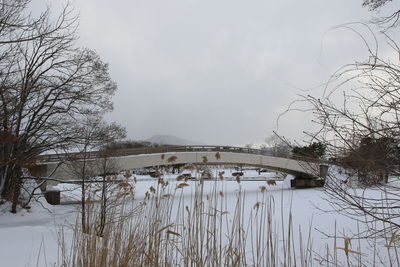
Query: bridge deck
x,y
170,149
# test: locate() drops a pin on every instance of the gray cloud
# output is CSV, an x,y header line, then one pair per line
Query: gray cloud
x,y
216,71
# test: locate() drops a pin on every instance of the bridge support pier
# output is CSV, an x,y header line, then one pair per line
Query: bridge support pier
x,y
323,170
300,182
310,181
53,197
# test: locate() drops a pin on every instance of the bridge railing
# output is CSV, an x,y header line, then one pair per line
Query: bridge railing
x,y
168,149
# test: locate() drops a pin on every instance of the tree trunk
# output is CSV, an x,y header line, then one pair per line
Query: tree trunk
x,y
7,190
83,198
6,174
103,206
16,189
83,206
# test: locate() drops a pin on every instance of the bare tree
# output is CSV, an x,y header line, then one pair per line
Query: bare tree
x,y
105,165
46,86
112,191
277,144
357,118
92,133
390,20
375,4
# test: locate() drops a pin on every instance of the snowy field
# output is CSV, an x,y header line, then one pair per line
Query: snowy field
x,y
31,237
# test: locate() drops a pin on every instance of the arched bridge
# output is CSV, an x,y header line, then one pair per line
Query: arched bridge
x,y
67,166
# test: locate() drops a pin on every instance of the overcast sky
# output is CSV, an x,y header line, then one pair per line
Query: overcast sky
x,y
217,71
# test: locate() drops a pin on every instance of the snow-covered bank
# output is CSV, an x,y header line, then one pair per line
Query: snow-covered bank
x,y
30,238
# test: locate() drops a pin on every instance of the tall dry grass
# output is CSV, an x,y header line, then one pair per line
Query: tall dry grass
x,y
170,228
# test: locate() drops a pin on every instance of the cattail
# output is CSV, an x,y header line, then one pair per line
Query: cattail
x,y
169,232
188,167
257,205
181,185
238,179
172,159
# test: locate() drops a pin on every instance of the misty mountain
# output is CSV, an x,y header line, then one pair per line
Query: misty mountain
x,y
171,140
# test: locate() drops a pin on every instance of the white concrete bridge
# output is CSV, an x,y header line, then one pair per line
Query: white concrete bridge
x,y
67,166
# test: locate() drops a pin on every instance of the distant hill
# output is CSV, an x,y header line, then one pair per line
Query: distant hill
x,y
171,140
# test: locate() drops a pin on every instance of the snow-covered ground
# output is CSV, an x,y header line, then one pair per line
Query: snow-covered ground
x,y
30,237
72,192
